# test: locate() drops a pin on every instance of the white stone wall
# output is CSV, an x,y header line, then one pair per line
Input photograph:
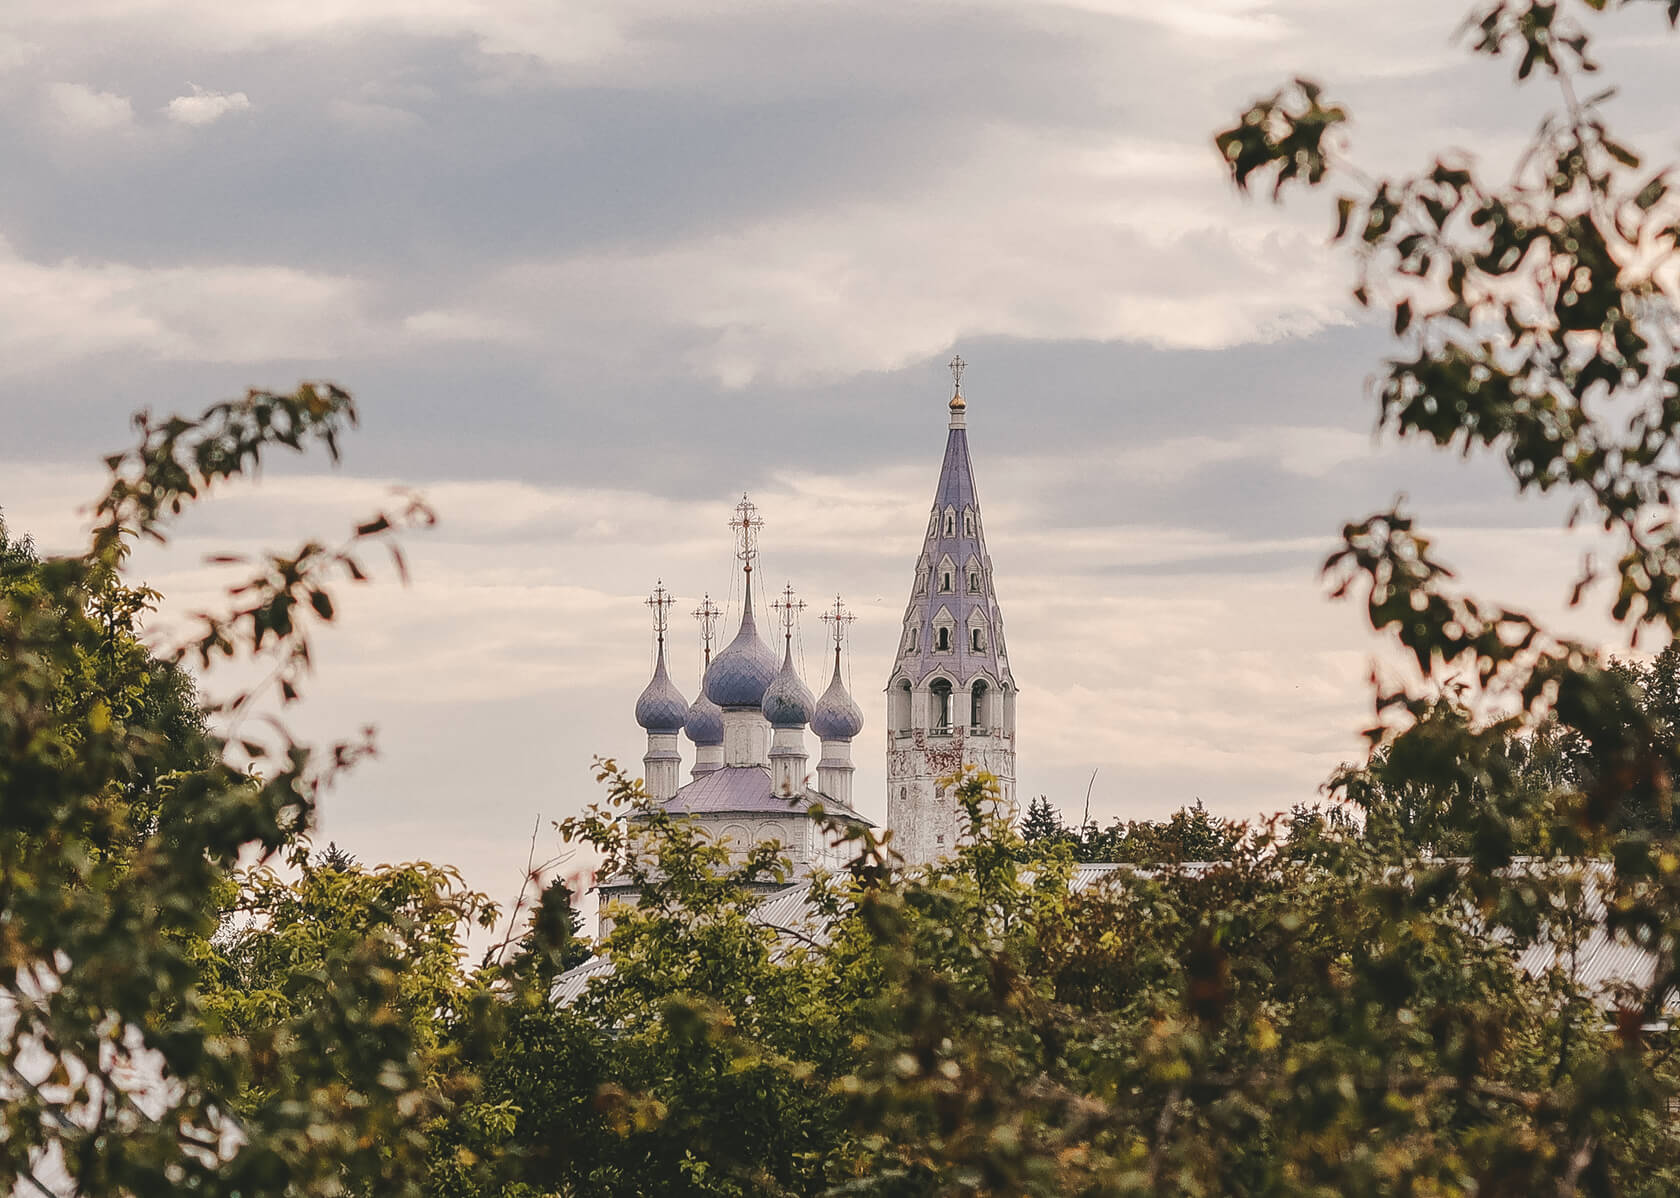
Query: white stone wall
x,y
926,821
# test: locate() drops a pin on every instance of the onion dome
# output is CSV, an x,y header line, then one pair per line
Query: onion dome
x,y
741,674
788,701
661,707
837,717
705,719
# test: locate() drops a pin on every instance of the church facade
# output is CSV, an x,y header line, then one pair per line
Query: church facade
x,y
950,700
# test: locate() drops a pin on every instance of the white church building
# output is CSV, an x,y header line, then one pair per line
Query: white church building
x,y
950,700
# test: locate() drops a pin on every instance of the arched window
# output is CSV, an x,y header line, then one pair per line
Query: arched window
x,y
976,640
950,524
968,523
901,716
945,582
973,582
977,706
941,694
910,640
944,642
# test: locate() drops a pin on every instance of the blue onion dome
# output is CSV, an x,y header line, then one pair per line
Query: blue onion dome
x,y
705,720
788,701
744,670
837,717
661,707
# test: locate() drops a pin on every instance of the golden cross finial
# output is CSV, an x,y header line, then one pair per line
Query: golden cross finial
x,y
707,613
957,366
746,524
789,608
660,601
837,617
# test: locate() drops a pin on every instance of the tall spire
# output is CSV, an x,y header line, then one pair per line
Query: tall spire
x,y
951,695
953,623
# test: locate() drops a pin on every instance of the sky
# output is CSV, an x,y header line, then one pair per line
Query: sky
x,y
594,269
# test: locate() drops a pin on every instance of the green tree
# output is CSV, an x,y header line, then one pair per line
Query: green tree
x,y
1043,822
117,850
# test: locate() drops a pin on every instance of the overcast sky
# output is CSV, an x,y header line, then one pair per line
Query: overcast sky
x,y
592,269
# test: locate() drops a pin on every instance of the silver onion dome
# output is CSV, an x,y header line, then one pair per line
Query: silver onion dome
x,y
740,675
837,716
661,707
787,701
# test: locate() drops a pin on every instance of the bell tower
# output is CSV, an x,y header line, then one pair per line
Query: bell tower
x,y
950,696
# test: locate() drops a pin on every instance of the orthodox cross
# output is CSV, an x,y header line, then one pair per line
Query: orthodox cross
x,y
660,601
788,608
707,613
746,524
957,365
837,618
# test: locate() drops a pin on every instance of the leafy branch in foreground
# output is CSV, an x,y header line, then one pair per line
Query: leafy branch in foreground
x,y
1539,324
119,836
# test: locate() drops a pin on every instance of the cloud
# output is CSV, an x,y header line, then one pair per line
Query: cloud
x,y
52,313
15,52
85,110
205,107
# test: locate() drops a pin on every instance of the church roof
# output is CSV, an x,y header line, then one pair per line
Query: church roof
x,y
739,676
746,790
837,717
788,701
661,707
961,551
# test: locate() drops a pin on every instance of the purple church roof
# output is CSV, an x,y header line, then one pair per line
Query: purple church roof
x,y
740,675
837,717
965,551
788,701
745,790
661,707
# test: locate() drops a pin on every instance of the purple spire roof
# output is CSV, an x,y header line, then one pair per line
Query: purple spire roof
x,y
661,707
955,545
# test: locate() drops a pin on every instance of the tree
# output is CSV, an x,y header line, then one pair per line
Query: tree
x,y
1539,325
1043,822
117,851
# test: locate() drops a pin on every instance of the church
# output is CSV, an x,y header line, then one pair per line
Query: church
x,y
950,699
950,702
